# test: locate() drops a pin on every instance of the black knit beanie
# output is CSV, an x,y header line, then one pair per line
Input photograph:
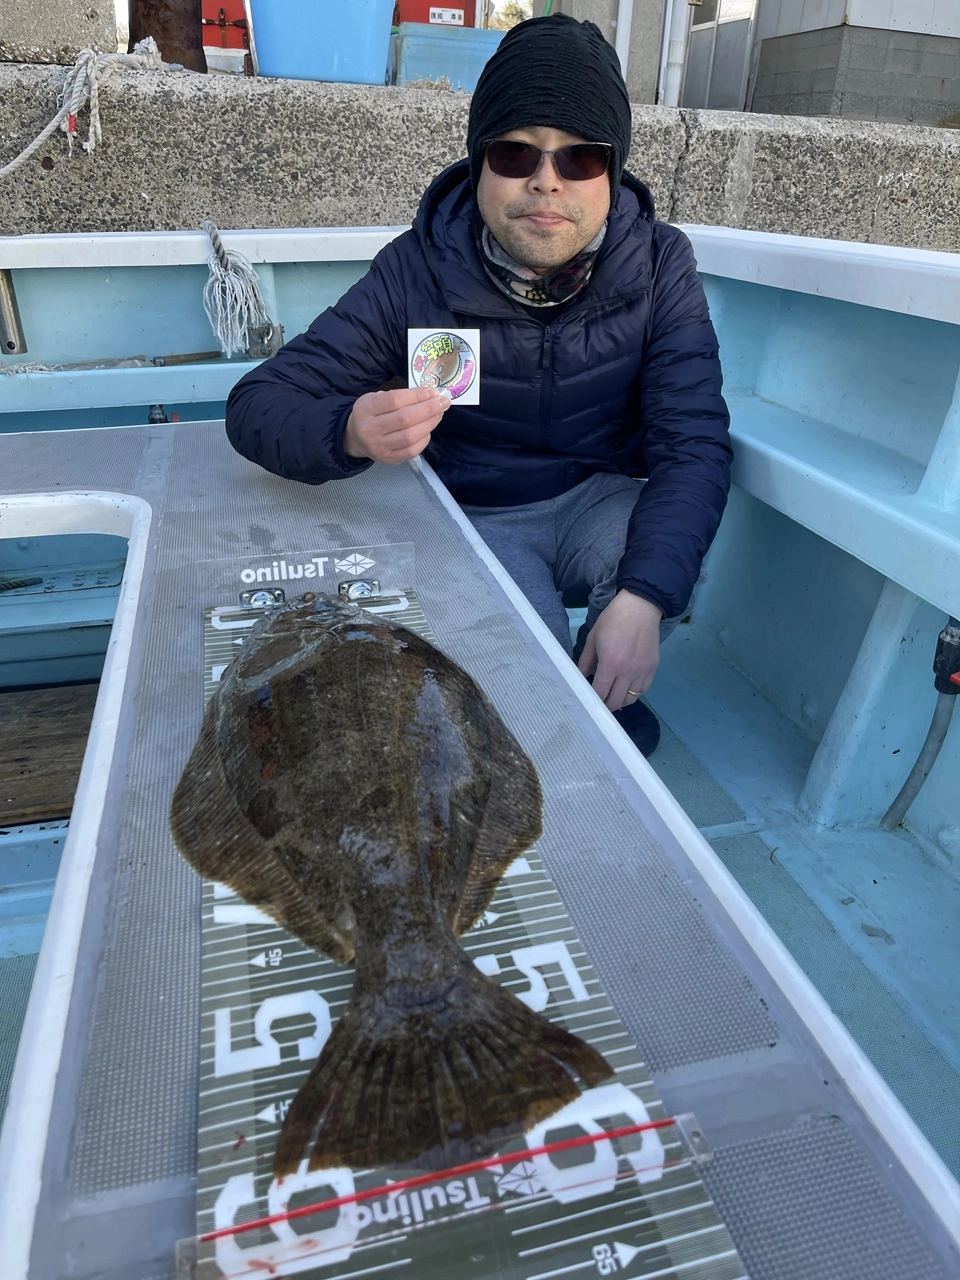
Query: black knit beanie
x,y
557,73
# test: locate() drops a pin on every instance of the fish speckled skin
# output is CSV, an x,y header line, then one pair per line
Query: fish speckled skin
x,y
358,786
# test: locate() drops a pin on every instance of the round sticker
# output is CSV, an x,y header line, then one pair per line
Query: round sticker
x,y
444,360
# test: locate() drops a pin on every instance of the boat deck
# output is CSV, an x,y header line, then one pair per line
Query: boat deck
x,y
43,735
868,915
817,1170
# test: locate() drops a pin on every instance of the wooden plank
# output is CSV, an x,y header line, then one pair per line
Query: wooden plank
x,y
43,735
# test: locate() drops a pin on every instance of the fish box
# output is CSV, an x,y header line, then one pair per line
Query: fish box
x,y
322,40
424,51
58,595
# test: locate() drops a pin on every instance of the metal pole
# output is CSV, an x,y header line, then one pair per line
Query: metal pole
x,y
12,341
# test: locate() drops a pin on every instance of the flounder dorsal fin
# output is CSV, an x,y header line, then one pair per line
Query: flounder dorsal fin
x,y
512,821
216,838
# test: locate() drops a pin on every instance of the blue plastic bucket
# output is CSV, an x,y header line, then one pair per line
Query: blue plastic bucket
x,y
342,40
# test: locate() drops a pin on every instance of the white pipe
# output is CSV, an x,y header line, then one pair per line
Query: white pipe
x,y
624,24
674,53
664,52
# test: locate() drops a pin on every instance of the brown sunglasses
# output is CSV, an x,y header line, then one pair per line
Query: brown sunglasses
x,y
578,162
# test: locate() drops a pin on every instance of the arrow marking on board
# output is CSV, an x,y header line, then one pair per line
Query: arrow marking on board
x,y
276,1111
625,1253
260,961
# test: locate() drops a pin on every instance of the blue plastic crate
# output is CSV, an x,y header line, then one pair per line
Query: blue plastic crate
x,y
422,51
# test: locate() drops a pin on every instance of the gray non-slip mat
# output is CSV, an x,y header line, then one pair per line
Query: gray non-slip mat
x,y
921,1077
16,979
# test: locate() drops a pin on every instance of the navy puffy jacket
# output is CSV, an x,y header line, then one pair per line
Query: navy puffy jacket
x,y
626,379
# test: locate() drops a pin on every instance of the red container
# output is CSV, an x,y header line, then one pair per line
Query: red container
x,y
224,24
445,13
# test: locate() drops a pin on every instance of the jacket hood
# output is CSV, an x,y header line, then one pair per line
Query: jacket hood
x,y
445,223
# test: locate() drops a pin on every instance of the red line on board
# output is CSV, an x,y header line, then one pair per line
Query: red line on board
x,y
512,1157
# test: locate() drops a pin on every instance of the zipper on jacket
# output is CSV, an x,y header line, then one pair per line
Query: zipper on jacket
x,y
546,371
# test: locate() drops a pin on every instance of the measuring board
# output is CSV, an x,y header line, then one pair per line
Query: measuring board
x,y
631,1206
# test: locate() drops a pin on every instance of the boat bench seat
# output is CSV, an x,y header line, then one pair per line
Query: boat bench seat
x,y
862,497
841,369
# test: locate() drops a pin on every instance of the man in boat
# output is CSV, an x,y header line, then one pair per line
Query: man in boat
x,y
596,465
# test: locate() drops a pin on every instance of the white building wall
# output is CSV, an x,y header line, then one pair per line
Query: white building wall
x,y
787,17
932,17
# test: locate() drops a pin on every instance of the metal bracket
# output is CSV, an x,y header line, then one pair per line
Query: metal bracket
x,y
358,589
262,597
266,340
695,1145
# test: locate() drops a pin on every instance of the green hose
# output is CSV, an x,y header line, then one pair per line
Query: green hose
x,y
546,9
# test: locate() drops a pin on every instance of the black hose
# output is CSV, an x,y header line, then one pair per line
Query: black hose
x,y
946,666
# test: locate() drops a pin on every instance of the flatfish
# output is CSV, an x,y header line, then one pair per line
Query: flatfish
x,y
356,784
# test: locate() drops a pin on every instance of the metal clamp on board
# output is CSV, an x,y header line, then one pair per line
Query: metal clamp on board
x,y
262,597
358,589
363,591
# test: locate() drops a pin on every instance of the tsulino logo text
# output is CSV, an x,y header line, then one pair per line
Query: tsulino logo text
x,y
280,571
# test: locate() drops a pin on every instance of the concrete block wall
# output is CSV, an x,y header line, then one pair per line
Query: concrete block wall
x,y
861,73
55,30
179,147
797,74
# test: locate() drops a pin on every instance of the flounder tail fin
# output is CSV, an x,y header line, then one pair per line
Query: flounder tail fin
x,y
439,1086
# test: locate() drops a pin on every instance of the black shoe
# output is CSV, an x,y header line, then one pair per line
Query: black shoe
x,y
641,726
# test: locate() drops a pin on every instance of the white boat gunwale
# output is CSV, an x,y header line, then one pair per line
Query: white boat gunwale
x,y
920,282
32,1086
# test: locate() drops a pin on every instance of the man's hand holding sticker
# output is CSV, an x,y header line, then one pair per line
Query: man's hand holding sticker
x,y
394,426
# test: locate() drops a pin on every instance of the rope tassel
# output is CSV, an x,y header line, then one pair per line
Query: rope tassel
x,y
231,296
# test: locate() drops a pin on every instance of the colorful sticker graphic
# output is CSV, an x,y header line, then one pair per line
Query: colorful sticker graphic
x,y
448,359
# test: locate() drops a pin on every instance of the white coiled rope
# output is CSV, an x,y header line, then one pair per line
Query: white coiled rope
x,y
83,84
231,296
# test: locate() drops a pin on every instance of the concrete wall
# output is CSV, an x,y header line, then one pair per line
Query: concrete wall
x,y
179,147
55,30
861,73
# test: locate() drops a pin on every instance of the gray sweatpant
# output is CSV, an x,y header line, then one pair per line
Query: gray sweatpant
x,y
563,553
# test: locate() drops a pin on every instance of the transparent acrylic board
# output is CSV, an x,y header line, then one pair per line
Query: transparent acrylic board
x,y
631,1206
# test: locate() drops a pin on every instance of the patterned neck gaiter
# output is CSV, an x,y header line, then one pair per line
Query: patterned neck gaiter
x,y
524,285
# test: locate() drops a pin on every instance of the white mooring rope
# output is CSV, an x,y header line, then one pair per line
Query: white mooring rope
x,y
231,296
83,83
